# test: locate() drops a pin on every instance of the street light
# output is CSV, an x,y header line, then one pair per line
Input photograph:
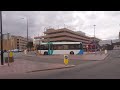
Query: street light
x,y
2,63
94,38
64,25
119,34
27,27
45,30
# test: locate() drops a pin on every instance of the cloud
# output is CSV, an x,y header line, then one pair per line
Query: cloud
x,y
107,22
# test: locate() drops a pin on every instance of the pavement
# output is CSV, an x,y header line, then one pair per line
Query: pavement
x,y
25,66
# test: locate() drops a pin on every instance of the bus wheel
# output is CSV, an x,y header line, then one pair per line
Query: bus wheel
x,y
72,53
45,53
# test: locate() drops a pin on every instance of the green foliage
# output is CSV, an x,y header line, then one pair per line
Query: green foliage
x,y
29,45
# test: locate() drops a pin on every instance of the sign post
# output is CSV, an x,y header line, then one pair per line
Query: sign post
x,y
66,59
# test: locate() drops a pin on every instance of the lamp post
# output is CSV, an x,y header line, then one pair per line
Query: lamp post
x,y
94,38
2,63
119,34
64,25
27,27
44,30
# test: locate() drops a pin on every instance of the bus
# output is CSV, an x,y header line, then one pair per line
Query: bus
x,y
51,48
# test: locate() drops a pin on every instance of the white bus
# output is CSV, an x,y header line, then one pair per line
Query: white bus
x,y
60,48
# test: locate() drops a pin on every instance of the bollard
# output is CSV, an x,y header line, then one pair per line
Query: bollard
x,y
105,51
100,52
11,59
66,61
25,51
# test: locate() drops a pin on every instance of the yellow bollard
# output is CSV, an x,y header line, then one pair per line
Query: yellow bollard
x,y
11,54
11,59
66,61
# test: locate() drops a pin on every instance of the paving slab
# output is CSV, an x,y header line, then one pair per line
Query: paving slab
x,y
24,66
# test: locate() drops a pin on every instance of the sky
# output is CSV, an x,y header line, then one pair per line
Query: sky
x,y
107,22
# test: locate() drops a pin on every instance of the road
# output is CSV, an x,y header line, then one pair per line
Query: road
x,y
105,69
39,59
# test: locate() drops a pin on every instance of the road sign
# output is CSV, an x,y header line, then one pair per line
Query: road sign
x,y
66,59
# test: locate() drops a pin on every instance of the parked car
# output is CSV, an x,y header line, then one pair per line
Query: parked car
x,y
3,51
20,50
16,50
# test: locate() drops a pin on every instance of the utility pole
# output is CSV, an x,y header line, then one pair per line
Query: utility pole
x,y
1,39
119,35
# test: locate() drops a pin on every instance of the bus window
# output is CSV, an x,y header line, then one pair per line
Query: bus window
x,y
72,46
45,47
60,47
65,47
42,47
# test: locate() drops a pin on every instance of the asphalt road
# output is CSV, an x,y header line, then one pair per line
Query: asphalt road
x,y
50,60
107,69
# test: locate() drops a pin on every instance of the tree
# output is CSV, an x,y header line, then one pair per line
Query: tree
x,y
29,45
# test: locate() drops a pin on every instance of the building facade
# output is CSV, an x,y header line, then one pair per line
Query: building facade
x,y
64,35
11,42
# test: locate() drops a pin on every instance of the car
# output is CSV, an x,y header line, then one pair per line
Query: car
x,y
16,50
20,50
3,51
